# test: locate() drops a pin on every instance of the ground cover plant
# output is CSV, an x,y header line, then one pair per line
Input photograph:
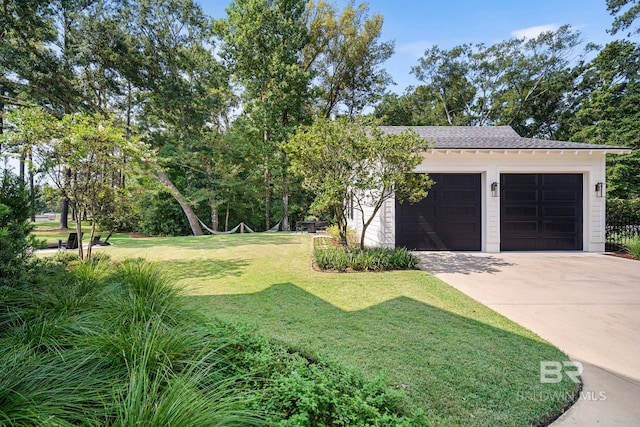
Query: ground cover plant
x,y
458,362
112,344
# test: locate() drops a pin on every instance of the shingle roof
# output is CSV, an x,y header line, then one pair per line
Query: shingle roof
x,y
489,137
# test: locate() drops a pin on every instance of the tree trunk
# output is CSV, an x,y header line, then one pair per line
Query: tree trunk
x,y
226,218
191,216
214,216
267,197
22,165
93,233
79,232
2,91
32,192
64,214
285,196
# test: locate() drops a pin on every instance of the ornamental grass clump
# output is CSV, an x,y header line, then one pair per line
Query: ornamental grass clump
x,y
632,247
100,344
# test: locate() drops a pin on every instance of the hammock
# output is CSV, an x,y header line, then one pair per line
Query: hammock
x,y
233,230
247,229
274,229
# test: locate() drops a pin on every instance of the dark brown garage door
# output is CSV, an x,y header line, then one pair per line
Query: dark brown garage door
x,y
541,212
449,218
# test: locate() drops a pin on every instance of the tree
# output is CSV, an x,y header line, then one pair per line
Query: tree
x,y
262,44
345,54
625,15
608,112
342,161
80,153
510,83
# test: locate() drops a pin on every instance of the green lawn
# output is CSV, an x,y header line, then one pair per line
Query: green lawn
x,y
459,362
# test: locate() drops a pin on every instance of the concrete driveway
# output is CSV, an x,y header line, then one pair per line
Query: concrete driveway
x,y
586,304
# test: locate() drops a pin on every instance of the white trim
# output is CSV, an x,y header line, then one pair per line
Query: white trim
x,y
560,151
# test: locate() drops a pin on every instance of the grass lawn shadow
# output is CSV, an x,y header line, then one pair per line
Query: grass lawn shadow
x,y
460,371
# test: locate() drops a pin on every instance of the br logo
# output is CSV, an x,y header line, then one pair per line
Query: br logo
x,y
551,371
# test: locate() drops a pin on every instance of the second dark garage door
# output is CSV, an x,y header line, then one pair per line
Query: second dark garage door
x,y
540,212
449,218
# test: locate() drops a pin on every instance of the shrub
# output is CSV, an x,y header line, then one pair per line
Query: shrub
x,y
296,389
162,216
368,259
353,239
632,247
629,208
15,241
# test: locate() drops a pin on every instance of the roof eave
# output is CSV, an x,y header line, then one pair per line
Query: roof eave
x,y
485,150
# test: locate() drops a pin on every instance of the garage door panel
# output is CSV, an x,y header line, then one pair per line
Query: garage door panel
x,y
565,195
522,243
521,195
560,211
560,227
571,180
541,212
521,211
458,196
521,226
447,219
520,179
458,211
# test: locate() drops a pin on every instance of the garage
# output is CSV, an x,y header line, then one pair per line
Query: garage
x,y
541,212
449,218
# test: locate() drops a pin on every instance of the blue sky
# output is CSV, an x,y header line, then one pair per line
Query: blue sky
x,y
416,25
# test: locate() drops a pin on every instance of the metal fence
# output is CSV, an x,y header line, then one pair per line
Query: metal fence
x,y
620,230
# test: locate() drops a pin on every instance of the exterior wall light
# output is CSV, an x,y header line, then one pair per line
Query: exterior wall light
x,y
600,189
494,189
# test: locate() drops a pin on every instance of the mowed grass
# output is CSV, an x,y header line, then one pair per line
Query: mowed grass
x,y
459,362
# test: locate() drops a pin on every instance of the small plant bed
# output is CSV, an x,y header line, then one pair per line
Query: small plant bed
x,y
332,258
630,249
329,255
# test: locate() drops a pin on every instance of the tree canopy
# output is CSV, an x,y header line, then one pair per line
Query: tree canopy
x,y
355,165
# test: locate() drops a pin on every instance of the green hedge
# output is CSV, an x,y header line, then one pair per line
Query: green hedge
x,y
623,208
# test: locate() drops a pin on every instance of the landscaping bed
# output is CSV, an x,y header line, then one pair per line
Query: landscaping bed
x,y
113,344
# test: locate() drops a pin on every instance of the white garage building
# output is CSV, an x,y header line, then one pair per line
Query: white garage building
x,y
496,191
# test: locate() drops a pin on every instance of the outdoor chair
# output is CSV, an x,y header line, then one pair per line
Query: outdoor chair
x,y
71,243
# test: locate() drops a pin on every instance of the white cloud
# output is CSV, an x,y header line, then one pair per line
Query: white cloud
x,y
533,32
414,50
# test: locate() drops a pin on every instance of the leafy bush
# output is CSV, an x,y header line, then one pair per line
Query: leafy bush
x,y
298,390
632,247
368,259
162,216
353,239
629,208
15,241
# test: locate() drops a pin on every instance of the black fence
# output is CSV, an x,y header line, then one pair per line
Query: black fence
x,y
620,231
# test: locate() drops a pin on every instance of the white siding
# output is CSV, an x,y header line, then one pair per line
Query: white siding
x,y
491,165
